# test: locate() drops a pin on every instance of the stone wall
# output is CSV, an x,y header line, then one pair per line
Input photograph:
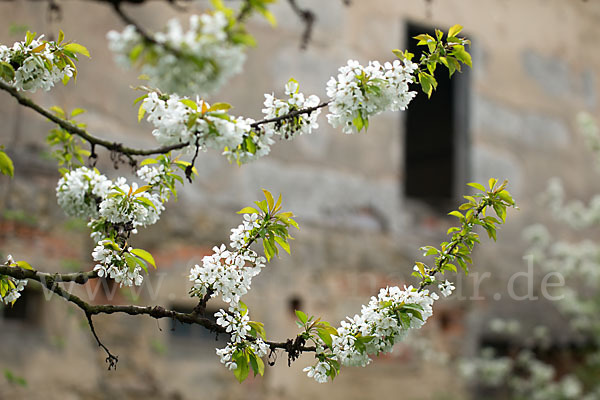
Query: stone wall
x,y
534,68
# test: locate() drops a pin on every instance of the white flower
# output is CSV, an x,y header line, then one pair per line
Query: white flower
x,y
379,320
80,192
124,204
446,288
215,129
359,92
151,175
211,57
13,286
34,70
289,128
112,265
318,371
229,273
236,324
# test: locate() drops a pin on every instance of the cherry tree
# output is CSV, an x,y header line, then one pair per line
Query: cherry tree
x,y
179,68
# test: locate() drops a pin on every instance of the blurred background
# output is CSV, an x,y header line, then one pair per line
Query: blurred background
x,y
365,204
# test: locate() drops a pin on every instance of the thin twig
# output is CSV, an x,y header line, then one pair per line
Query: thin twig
x,y
244,12
111,359
308,18
142,32
290,115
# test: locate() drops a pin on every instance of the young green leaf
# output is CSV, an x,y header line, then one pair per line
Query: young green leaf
x,y
144,255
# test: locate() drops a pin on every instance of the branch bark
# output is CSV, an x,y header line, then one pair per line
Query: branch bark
x,y
290,115
293,347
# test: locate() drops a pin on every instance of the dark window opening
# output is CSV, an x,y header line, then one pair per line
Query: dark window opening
x,y
26,309
295,303
435,141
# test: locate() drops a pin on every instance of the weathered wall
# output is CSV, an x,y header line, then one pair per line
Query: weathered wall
x,y
534,68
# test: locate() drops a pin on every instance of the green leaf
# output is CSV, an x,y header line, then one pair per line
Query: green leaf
x,y
505,195
77,111
421,267
248,210
77,48
424,38
268,16
253,363
302,317
477,186
59,112
456,214
141,189
219,107
455,30
134,54
269,251
262,205
29,36
144,255
141,112
270,200
148,161
358,122
242,370
7,72
131,261
325,337
243,38
140,99
462,55
259,327
61,36
258,366
283,243
261,366
6,165
431,250
190,103
24,265
450,267
500,211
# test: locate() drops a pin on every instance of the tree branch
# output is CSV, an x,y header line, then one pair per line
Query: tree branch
x,y
308,18
293,347
21,273
290,115
142,32
82,133
111,359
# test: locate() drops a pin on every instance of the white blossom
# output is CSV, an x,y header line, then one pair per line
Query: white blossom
x,y
289,128
124,203
236,323
360,92
318,371
446,288
80,192
11,288
34,70
216,129
150,174
111,264
210,56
